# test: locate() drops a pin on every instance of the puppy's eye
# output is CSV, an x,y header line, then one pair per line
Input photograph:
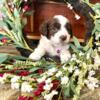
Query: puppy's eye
x,y
68,26
57,25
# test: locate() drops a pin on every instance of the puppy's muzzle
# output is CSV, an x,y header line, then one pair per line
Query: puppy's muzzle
x,y
63,37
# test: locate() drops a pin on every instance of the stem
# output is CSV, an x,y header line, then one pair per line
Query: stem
x,y
60,94
90,43
7,33
9,13
26,45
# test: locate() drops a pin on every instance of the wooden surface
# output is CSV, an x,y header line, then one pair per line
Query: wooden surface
x,y
9,49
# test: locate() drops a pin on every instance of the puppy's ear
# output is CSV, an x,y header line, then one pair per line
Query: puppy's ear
x,y
69,28
44,28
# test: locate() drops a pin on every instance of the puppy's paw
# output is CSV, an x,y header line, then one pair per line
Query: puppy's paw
x,y
34,57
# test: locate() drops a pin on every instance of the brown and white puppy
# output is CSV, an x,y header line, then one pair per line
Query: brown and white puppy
x,y
55,37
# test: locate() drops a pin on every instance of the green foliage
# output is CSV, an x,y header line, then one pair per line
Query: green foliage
x,y
3,57
11,23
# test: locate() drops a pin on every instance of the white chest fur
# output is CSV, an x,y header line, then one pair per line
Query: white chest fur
x,y
45,46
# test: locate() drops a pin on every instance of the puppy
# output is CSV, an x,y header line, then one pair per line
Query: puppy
x,y
55,37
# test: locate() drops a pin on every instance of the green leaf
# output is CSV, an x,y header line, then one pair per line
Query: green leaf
x,y
89,51
10,23
9,66
34,69
72,85
86,1
76,42
74,48
17,57
97,26
96,6
94,30
16,13
3,24
67,91
97,21
3,57
1,36
86,48
6,57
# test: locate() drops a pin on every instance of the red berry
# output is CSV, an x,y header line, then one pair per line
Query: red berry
x,y
26,8
30,98
55,84
4,40
22,98
40,71
24,73
37,92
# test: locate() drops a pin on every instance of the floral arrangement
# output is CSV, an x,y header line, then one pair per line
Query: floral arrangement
x,y
45,79
12,13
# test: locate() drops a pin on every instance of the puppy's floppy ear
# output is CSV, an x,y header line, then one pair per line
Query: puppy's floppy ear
x,y
44,28
69,28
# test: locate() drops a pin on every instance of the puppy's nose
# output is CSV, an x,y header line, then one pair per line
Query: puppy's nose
x,y
63,37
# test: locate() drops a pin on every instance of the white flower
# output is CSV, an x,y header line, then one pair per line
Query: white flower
x,y
98,49
48,87
64,67
51,71
48,81
39,80
88,56
90,66
77,17
15,79
91,73
69,6
58,74
78,61
50,95
2,80
97,36
73,57
97,11
25,0
76,73
97,60
81,54
91,86
91,83
70,69
54,92
64,80
5,76
26,87
15,85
